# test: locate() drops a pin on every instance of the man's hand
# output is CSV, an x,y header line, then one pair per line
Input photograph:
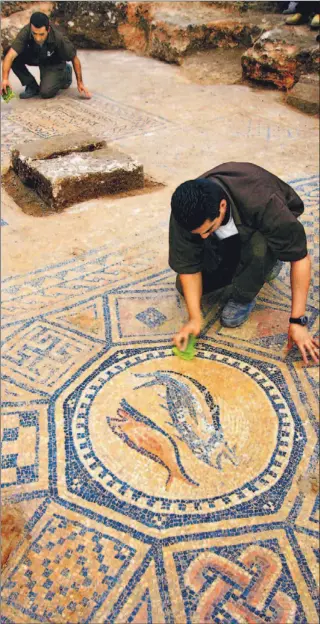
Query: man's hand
x,y
83,91
181,338
307,345
4,85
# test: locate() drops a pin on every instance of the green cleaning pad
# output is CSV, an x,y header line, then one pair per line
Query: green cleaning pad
x,y
189,352
8,95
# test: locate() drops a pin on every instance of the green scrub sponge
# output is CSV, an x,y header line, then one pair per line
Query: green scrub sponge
x,y
189,352
8,95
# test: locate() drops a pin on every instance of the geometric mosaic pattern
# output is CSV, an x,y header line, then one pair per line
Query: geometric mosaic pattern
x,y
237,583
20,431
49,119
90,566
151,317
161,492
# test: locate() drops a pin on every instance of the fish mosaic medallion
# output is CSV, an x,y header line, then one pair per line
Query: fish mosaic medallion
x,y
190,433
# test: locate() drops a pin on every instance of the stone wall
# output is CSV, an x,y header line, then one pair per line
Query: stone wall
x,y
92,24
7,8
273,52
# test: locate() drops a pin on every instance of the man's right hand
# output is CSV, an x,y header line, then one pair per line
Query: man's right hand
x,y
181,338
4,85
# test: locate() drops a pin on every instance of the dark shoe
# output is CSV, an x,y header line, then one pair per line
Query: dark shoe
x,y
235,313
30,91
274,271
68,81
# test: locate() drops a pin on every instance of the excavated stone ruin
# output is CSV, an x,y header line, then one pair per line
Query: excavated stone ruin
x,y
69,169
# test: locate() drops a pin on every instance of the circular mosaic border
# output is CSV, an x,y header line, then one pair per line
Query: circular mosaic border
x,y
101,474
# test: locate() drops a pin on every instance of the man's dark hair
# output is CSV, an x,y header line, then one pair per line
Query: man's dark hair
x,y
195,201
39,19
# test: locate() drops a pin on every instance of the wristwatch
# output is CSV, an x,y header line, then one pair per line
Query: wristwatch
x,y
300,320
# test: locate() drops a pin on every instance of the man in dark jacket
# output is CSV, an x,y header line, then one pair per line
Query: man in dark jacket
x,y
41,44
235,225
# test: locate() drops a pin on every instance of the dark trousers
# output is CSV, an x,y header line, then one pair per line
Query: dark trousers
x,y
52,77
307,8
256,262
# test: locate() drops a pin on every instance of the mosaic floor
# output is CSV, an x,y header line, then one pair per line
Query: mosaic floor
x,y
156,490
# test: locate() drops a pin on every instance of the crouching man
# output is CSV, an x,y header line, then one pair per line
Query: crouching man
x,y
41,44
235,225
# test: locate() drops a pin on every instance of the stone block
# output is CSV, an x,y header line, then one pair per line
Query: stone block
x,y
43,149
68,177
305,95
279,56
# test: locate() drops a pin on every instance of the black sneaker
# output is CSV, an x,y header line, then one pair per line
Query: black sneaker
x,y
30,91
68,81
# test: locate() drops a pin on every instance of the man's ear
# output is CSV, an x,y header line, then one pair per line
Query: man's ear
x,y
223,206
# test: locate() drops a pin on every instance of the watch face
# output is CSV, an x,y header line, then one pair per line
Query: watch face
x,y
304,320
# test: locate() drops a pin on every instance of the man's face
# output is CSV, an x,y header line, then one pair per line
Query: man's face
x,y
208,227
39,34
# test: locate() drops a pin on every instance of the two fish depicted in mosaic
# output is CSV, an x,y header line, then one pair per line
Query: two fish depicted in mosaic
x,y
143,435
188,422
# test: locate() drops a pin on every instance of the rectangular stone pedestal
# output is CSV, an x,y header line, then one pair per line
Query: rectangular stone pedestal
x,y
71,169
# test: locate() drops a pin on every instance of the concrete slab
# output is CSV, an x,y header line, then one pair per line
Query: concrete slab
x,y
71,177
52,147
305,95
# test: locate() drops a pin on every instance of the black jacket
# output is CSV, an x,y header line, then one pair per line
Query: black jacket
x,y
56,49
259,202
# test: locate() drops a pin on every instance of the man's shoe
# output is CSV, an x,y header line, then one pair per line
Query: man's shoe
x,y
30,91
294,20
274,271
68,81
315,22
235,313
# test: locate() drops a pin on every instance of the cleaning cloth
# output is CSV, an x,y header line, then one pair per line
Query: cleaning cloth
x,y
189,352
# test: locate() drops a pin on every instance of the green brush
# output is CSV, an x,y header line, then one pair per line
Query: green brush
x,y
8,95
189,352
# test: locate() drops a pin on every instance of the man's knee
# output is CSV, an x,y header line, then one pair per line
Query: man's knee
x,y
48,92
258,246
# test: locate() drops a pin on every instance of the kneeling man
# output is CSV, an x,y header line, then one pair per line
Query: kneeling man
x,y
235,225
41,44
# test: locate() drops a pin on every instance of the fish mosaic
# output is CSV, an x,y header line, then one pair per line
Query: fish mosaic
x,y
189,425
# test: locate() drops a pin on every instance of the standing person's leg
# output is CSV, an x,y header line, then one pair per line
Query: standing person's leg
x,y
256,264
53,78
303,12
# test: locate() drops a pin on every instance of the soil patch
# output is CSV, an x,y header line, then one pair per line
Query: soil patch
x,y
216,66
30,202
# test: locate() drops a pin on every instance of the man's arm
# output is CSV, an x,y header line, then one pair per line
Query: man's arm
x,y
300,282
6,66
78,72
192,290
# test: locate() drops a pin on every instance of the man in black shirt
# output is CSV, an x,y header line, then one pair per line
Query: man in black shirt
x,y
235,224
41,44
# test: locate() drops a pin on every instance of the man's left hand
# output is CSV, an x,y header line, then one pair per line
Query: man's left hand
x,y
83,91
306,343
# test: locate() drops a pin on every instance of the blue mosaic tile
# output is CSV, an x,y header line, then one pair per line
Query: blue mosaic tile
x,y
151,317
